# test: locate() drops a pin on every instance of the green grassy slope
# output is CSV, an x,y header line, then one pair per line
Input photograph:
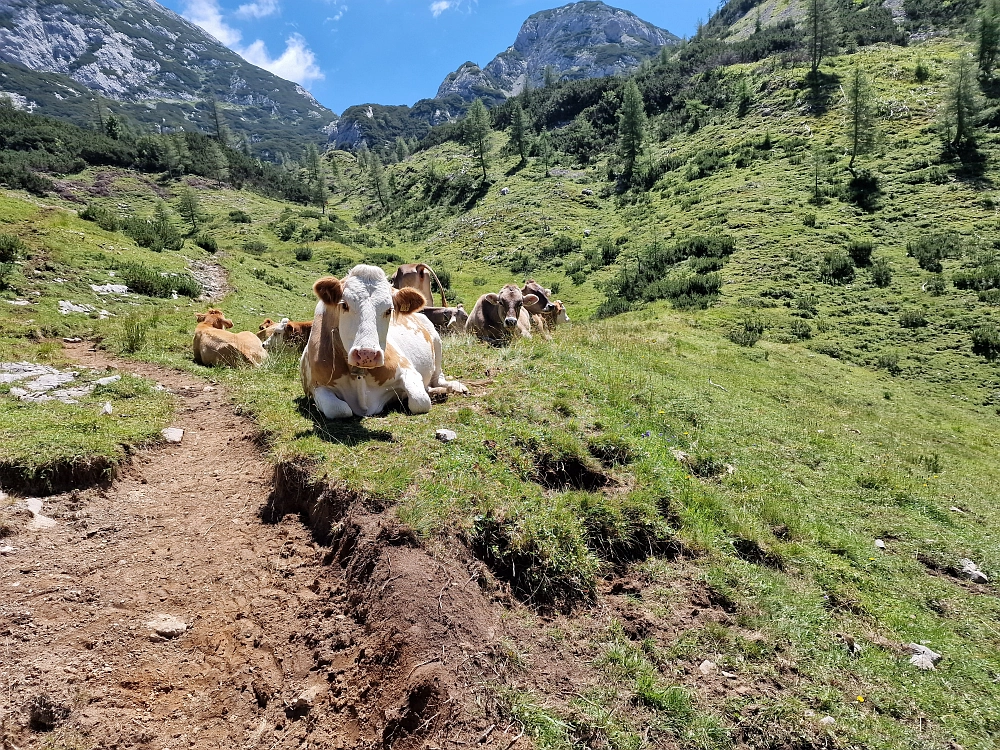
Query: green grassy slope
x,y
773,467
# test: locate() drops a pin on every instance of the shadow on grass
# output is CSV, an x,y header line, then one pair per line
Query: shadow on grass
x,y
516,168
349,432
822,88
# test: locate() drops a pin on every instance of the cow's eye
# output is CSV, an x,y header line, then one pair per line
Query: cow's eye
x,y
388,313
347,308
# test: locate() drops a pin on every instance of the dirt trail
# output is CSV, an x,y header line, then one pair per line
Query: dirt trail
x,y
178,534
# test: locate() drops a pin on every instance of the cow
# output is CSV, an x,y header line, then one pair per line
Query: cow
x,y
417,276
497,318
368,347
446,319
286,333
215,344
540,311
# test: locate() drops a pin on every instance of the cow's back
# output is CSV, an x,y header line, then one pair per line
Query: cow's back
x,y
214,347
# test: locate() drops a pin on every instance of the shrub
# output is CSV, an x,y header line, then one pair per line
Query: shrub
x,y
921,72
6,271
255,247
864,190
142,279
935,284
986,342
931,249
861,252
238,216
809,220
11,248
338,265
836,268
881,273
979,279
578,278
303,253
382,258
747,332
286,230
801,330
889,362
560,246
807,305
131,334
912,319
104,218
207,243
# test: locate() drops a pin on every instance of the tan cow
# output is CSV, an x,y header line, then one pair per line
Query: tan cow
x,y
368,347
293,334
417,276
497,318
215,345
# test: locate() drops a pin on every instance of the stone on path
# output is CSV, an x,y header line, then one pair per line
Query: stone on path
x,y
172,434
446,436
167,626
38,522
707,667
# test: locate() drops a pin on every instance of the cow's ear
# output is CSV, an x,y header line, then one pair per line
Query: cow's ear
x,y
531,299
200,317
329,290
492,298
227,323
407,300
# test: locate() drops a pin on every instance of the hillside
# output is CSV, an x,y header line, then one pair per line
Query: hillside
x,y
580,40
715,514
153,67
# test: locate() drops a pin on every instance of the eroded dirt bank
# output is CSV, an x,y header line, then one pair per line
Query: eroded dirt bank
x,y
293,638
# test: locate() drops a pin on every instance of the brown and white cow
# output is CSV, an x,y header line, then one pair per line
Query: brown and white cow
x,y
368,347
417,276
497,318
293,334
215,344
446,319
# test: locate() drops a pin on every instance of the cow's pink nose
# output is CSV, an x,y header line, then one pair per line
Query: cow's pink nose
x,y
366,357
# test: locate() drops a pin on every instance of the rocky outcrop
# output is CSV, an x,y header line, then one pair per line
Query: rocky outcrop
x,y
581,40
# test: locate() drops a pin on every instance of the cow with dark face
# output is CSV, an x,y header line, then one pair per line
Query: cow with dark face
x,y
446,319
368,347
497,318
286,333
542,303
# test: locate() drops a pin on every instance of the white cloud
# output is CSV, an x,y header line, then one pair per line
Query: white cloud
x,y
206,13
297,63
440,6
258,9
341,10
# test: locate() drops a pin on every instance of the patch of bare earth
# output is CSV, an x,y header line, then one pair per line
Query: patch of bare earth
x,y
212,277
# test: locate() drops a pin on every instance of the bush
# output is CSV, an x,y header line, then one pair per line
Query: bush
x,y
303,253
238,216
979,279
578,278
131,334
382,259
142,279
157,234
207,243
747,332
286,230
807,305
836,268
912,319
986,342
255,247
864,190
881,273
809,220
861,252
935,284
801,330
931,249
338,265
890,363
11,248
105,219
560,246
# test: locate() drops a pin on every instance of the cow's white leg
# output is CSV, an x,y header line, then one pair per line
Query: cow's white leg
x,y
418,401
438,380
330,404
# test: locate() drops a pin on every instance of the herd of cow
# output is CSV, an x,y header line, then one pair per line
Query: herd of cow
x,y
374,339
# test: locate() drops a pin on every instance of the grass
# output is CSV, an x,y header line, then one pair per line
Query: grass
x,y
842,423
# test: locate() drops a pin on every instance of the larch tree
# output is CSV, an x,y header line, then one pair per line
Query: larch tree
x,y
822,29
631,127
376,174
519,131
477,134
988,36
189,207
860,117
961,108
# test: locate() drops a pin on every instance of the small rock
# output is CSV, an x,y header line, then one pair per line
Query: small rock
x,y
106,411
586,232
207,389
44,713
956,509
972,571
446,436
108,380
504,191
72,340
305,700
707,667
19,302
828,720
923,657
7,550
167,626
172,434
588,191
880,544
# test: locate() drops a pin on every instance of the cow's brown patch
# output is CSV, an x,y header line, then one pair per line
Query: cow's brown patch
x,y
407,301
329,289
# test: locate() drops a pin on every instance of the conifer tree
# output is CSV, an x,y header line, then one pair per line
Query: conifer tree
x,y
988,36
860,116
549,77
631,127
477,134
189,207
218,122
376,174
518,131
218,164
544,148
113,127
961,108
402,151
822,29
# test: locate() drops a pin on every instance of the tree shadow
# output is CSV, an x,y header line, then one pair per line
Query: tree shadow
x,y
516,168
822,88
477,195
971,167
348,432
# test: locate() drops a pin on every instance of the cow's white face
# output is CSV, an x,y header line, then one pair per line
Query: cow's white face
x,y
365,303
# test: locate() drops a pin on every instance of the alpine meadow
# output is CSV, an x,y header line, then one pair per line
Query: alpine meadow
x,y
711,457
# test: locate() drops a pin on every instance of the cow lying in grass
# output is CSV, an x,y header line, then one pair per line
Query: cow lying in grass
x,y
215,344
447,319
497,318
368,347
293,334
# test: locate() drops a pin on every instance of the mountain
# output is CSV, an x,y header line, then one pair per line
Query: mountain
x,y
580,40
586,39
152,66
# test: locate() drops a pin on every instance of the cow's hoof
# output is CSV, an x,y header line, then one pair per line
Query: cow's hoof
x,y
454,386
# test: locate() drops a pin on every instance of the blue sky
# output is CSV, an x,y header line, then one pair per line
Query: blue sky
x,y
388,51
